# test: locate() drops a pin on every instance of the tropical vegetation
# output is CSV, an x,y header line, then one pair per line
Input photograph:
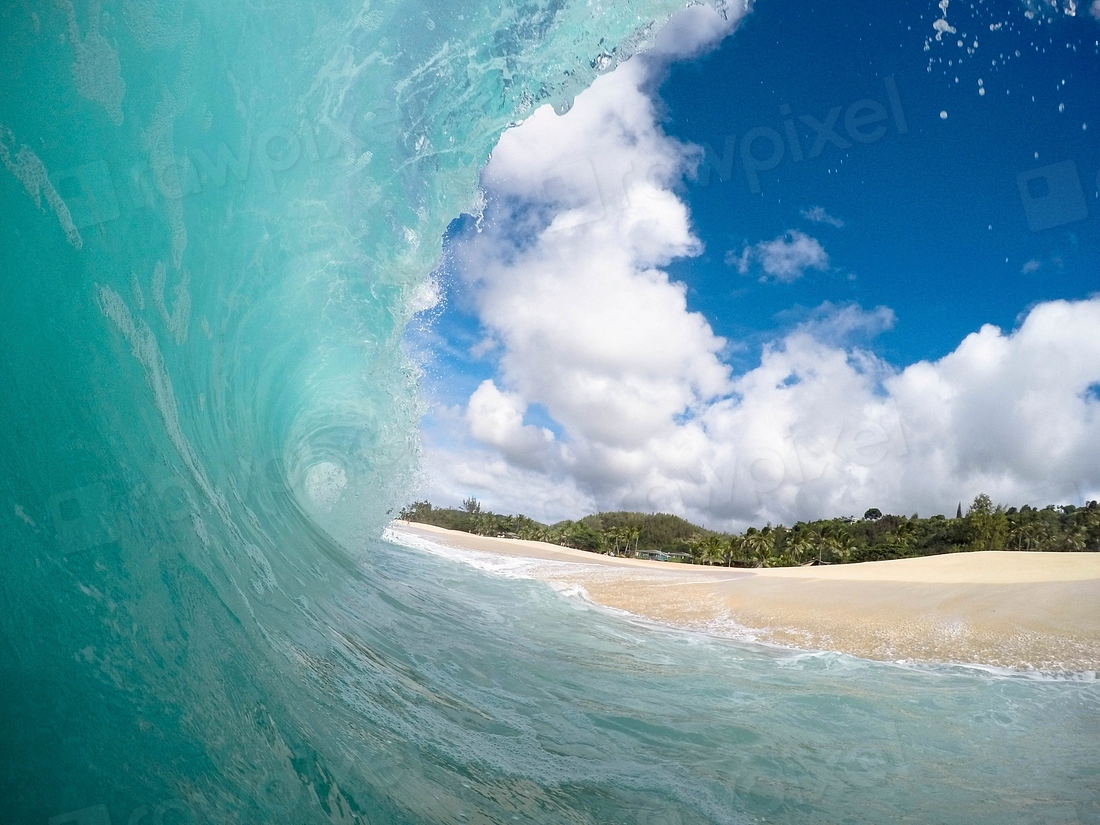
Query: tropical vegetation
x,y
875,536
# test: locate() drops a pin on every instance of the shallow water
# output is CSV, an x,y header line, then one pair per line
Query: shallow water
x,y
561,711
218,218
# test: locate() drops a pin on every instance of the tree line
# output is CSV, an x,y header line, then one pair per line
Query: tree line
x,y
874,537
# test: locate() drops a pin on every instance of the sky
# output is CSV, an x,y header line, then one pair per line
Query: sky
x,y
788,265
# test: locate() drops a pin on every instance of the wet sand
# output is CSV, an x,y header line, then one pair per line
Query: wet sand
x,y
1008,609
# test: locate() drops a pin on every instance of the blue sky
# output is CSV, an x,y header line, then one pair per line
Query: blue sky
x,y
907,190
934,224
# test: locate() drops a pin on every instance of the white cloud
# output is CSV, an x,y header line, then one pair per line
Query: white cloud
x,y
495,418
483,347
838,324
695,30
1094,9
1054,260
503,486
818,430
567,279
817,214
784,259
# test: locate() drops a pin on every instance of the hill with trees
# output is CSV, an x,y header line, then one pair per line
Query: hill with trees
x,y
875,537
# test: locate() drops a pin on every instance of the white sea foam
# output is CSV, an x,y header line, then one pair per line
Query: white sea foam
x,y
148,29
173,178
514,567
31,172
177,319
325,483
97,73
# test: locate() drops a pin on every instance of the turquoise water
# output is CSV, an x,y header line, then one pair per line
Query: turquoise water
x,y
216,220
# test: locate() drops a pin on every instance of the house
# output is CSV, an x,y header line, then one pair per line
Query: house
x,y
663,555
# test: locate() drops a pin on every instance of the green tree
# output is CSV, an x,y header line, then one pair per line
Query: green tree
x,y
988,526
839,544
985,527
760,544
417,511
801,546
612,538
713,549
582,537
735,550
1024,536
1075,540
483,525
696,547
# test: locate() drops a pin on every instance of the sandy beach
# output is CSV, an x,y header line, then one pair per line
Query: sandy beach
x,y
1008,609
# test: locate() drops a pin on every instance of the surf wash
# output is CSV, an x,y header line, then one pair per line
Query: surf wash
x,y
763,148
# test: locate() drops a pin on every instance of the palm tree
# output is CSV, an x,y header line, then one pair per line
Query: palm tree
x,y
712,549
483,525
838,542
1025,536
759,545
1075,539
734,549
695,546
615,538
899,542
801,545
612,537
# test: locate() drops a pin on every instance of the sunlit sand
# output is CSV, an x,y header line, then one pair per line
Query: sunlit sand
x,y
1009,609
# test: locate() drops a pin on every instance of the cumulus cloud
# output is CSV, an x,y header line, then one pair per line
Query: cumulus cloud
x,y
496,418
575,309
818,429
567,279
1094,9
784,259
817,214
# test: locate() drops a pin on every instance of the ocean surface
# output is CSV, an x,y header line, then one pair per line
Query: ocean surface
x,y
217,220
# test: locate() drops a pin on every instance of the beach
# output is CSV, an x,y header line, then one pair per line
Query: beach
x,y
1032,611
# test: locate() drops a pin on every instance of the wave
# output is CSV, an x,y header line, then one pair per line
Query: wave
x,y
219,220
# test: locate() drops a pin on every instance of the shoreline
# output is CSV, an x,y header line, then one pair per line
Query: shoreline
x,y
1014,609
